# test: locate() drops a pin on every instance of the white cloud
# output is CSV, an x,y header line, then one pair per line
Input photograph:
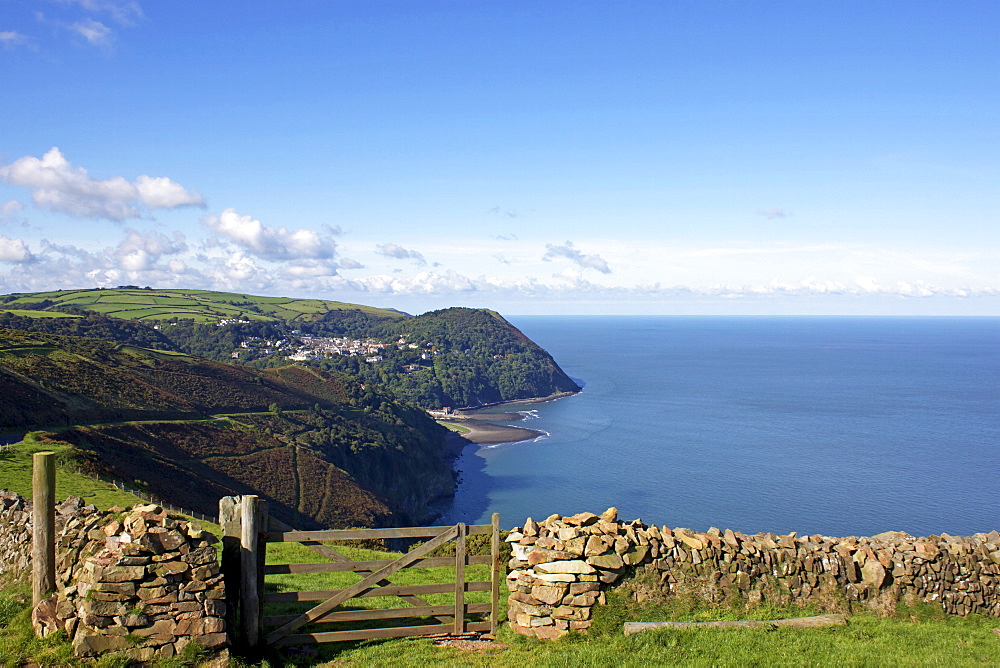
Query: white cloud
x,y
348,263
235,269
423,283
242,253
507,213
92,22
570,252
272,243
308,269
124,12
397,252
774,213
10,39
14,251
58,186
868,284
95,32
10,208
140,251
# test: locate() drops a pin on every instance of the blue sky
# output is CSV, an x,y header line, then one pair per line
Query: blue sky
x,y
556,157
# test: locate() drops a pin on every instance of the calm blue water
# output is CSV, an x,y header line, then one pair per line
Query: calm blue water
x,y
838,426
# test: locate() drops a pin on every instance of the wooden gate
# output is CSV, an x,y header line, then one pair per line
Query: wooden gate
x,y
244,553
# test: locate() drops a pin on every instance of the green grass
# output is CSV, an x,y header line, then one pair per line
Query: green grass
x,y
457,428
914,637
18,644
15,475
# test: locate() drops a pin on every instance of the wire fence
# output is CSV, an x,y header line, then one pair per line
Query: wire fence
x,y
135,491
146,496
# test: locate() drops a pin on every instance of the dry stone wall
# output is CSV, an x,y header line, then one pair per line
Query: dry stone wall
x,y
142,582
15,537
562,566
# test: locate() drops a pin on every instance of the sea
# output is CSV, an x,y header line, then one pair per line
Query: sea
x,y
837,426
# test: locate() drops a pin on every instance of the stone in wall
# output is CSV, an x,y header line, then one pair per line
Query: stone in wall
x,y
562,565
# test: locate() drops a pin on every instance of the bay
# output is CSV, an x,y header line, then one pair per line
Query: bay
x,y
832,425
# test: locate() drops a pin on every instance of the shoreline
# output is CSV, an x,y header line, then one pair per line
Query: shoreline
x,y
487,433
479,430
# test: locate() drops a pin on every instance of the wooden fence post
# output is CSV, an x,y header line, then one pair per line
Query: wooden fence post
x,y
460,554
43,520
495,575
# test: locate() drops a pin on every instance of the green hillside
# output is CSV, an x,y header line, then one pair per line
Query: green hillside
x,y
199,305
452,357
463,357
322,449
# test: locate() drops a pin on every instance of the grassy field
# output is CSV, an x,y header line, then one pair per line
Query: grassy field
x,y
912,638
199,305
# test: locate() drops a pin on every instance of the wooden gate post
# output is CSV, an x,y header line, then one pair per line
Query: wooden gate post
x,y
43,520
252,553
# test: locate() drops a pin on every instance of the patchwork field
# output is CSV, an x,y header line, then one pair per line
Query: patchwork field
x,y
198,305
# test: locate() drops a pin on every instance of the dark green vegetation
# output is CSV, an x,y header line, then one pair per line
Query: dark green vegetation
x,y
57,380
89,324
475,357
323,450
453,357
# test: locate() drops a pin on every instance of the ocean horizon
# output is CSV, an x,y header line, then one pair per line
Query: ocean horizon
x,y
836,425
